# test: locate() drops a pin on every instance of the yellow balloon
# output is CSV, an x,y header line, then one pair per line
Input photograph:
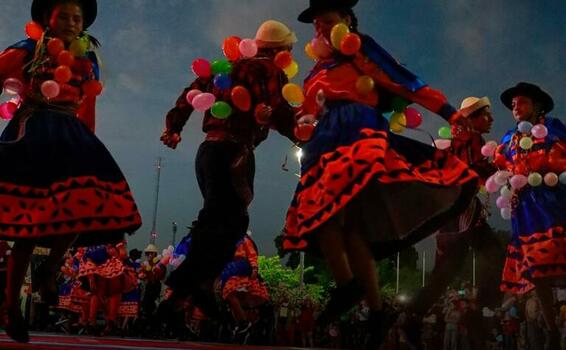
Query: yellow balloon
x,y
78,47
310,52
398,122
365,84
337,34
293,94
292,69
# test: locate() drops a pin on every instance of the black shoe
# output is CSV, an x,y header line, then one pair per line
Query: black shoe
x,y
15,325
342,299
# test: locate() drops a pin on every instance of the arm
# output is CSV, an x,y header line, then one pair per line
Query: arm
x,y
557,157
12,62
86,112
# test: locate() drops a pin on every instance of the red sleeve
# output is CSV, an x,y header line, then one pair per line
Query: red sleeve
x,y
251,254
178,116
86,112
12,62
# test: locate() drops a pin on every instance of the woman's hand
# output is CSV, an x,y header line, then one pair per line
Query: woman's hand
x,y
170,139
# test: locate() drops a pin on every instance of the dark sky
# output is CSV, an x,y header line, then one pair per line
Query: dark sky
x,y
461,47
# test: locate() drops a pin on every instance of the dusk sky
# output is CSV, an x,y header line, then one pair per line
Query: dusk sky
x,y
462,47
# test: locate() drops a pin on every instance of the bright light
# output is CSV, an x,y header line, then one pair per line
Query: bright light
x,y
402,298
299,154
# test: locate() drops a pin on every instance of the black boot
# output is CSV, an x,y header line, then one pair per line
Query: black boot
x,y
342,299
15,325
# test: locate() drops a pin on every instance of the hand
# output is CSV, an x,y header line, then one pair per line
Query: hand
x,y
263,113
170,139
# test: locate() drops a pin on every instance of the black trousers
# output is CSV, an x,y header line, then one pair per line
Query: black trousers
x,y
224,171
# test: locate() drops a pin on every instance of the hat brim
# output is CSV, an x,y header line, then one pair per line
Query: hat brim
x,y
40,7
481,103
290,40
308,15
532,91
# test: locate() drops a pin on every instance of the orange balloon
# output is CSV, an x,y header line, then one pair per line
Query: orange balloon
x,y
310,52
55,46
92,88
34,31
63,74
241,98
351,43
65,58
231,48
283,59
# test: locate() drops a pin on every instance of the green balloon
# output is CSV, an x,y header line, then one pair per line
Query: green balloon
x,y
221,66
221,110
399,104
445,132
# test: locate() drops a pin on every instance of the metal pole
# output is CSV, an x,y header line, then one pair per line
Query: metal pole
x,y
424,268
302,267
473,268
153,236
397,279
174,233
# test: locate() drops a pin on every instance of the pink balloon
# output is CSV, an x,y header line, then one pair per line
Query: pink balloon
x,y
201,67
13,86
414,118
518,181
321,48
503,202
539,131
442,144
248,48
7,110
192,94
50,89
203,102
491,186
488,150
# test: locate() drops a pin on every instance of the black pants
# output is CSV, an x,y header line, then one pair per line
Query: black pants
x,y
454,248
223,220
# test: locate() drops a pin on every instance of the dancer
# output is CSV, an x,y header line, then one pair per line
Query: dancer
x,y
535,255
64,183
364,191
225,163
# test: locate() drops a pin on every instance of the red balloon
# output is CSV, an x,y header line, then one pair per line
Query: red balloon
x,y
201,68
303,132
241,98
34,31
231,48
350,44
63,74
65,58
414,118
55,46
92,88
261,117
283,59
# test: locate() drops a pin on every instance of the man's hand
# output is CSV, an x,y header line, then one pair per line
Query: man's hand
x,y
170,139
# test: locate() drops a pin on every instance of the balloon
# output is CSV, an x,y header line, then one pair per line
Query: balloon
x,y
63,74
338,33
201,68
231,48
365,84
398,122
534,179
539,131
503,202
518,181
309,51
65,58
505,213
92,88
293,93
192,94
203,101
260,115
399,104
551,179
78,47
222,81
34,31
291,70
442,144
350,44
13,86
488,150
55,46
506,192
445,132
283,59
221,110
303,132
491,186
241,98
221,66
526,143
50,89
321,48
248,48
562,178
525,127
414,118
7,110
501,177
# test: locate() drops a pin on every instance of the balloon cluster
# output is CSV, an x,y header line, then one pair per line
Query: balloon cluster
x,y
341,39
403,116
12,86
507,182
70,268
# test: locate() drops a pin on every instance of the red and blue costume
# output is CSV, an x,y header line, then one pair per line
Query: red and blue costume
x,y
401,189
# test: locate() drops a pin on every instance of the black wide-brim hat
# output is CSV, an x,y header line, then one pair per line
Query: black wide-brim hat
x,y
40,7
529,90
319,6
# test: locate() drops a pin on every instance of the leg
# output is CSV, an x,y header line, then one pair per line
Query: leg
x,y
365,270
